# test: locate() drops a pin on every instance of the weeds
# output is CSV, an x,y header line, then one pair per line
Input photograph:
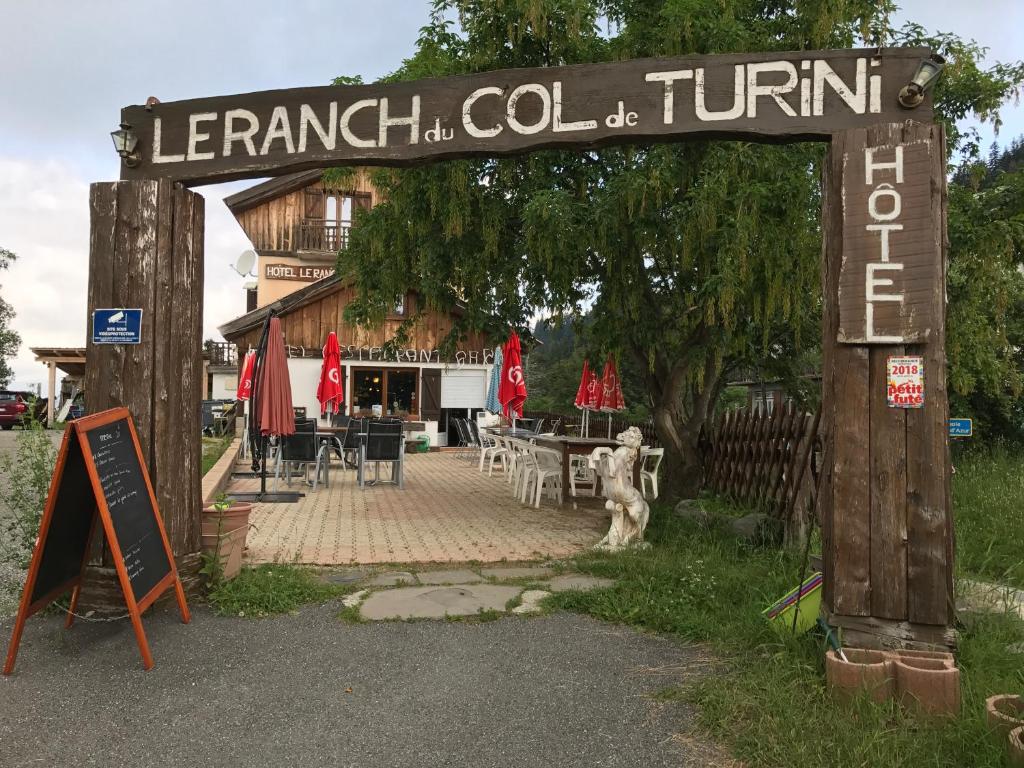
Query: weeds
x,y
272,588
769,703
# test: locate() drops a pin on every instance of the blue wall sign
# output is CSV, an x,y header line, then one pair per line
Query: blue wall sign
x,y
117,326
961,428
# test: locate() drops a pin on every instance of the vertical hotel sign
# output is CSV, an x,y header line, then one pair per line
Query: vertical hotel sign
x,y
890,251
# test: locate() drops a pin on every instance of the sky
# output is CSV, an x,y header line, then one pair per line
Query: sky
x,y
69,66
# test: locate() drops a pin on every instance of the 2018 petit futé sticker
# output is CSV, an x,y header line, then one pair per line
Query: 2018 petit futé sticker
x,y
905,382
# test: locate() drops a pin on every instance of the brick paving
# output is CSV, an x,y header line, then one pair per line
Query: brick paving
x,y
448,512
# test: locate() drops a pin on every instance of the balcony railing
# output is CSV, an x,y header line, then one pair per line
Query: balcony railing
x,y
220,353
320,235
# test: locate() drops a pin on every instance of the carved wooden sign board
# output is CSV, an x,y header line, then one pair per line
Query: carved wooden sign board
x,y
777,96
100,483
890,250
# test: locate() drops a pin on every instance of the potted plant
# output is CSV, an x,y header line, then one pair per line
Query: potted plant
x,y
225,525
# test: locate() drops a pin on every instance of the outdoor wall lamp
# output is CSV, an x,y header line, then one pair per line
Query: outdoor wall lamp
x,y
928,71
126,143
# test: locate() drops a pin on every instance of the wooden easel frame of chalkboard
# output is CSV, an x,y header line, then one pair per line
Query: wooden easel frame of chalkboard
x,y
67,535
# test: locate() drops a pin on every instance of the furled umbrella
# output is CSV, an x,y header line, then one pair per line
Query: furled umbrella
x,y
583,395
611,399
492,404
330,392
593,399
245,378
512,390
271,405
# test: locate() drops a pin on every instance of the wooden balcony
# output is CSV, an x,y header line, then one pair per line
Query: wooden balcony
x,y
324,236
220,353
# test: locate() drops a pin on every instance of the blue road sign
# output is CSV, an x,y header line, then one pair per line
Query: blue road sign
x,y
961,428
117,326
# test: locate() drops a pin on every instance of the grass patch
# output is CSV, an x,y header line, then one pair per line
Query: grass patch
x,y
273,588
213,449
769,702
988,494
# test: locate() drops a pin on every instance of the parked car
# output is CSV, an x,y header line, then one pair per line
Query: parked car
x,y
16,407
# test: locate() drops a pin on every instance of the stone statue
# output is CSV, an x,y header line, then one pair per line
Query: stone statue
x,y
629,510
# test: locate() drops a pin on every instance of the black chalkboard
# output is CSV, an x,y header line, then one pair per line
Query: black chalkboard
x,y
100,488
121,477
68,533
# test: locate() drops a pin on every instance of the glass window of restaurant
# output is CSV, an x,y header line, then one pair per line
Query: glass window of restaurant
x,y
394,389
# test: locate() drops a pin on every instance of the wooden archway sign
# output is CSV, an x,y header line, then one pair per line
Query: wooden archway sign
x,y
886,509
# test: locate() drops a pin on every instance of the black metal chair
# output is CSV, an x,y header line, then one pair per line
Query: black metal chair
x,y
384,442
350,445
301,450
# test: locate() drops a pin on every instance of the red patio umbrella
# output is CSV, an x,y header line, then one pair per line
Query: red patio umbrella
x,y
276,416
330,392
610,399
581,393
245,378
512,390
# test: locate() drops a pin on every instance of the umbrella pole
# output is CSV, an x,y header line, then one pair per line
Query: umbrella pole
x,y
609,426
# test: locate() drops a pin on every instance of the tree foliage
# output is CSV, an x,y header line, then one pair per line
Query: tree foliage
x,y
695,259
9,340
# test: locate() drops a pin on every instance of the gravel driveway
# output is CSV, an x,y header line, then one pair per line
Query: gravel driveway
x,y
310,690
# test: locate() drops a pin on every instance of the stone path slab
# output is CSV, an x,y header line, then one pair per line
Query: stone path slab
x,y
462,576
391,579
531,601
517,572
436,602
577,581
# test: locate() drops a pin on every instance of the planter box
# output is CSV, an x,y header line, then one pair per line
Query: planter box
x,y
1004,713
866,672
235,517
1017,747
928,685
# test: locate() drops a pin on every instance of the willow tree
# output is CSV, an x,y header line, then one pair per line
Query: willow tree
x,y
694,258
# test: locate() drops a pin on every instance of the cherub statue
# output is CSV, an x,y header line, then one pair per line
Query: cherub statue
x,y
629,510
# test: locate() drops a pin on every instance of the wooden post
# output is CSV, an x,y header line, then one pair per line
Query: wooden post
x,y
885,507
52,386
146,251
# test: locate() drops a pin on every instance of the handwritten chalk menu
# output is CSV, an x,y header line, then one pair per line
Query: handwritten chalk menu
x,y
131,510
100,485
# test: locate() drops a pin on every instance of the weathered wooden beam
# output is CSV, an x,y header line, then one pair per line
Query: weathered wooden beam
x,y
884,501
135,261
776,96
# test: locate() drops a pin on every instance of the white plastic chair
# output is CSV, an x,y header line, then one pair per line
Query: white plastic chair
x,y
547,474
582,479
490,448
650,460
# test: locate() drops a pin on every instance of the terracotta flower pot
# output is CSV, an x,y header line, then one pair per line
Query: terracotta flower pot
x,y
944,656
231,546
1004,713
236,516
928,685
865,671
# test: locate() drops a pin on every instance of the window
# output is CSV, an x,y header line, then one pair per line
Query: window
x,y
394,389
399,308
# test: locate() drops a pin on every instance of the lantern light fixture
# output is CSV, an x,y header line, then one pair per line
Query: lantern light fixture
x,y
126,143
928,71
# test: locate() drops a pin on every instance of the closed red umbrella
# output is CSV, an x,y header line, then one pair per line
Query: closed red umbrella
x,y
276,416
330,392
581,393
610,399
245,379
512,390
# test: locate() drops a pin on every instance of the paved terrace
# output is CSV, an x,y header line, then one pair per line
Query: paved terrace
x,y
448,512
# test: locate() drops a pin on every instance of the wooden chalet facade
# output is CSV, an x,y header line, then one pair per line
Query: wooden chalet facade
x,y
297,225
415,382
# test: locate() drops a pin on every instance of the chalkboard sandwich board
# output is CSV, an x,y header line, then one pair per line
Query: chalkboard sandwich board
x,y
100,481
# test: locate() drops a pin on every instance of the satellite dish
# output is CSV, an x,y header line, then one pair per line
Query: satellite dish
x,y
245,262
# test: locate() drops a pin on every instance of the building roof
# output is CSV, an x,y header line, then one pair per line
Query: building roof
x,y
71,360
268,190
285,304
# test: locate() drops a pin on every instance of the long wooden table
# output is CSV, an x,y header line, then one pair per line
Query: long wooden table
x,y
582,446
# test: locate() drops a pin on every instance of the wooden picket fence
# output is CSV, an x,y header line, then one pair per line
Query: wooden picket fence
x,y
768,461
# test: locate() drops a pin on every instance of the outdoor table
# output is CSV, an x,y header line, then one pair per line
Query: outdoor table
x,y
519,434
582,446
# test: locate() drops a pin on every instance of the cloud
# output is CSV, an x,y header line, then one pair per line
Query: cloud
x,y
44,219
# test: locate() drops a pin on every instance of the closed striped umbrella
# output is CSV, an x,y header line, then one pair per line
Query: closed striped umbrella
x,y
492,403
